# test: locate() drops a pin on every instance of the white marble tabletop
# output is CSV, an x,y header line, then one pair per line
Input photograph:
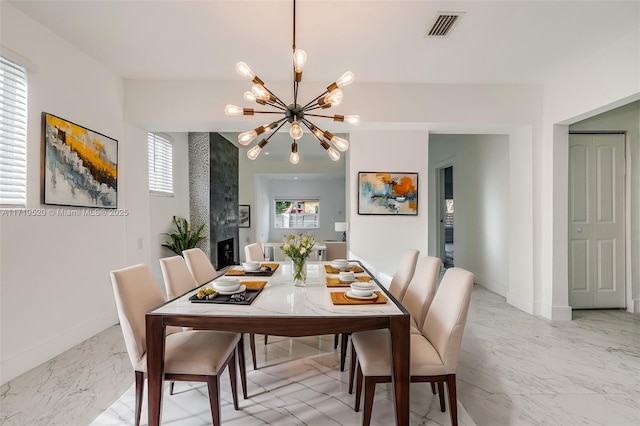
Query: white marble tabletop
x,y
280,298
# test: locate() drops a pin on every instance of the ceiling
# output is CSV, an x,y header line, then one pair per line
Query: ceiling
x,y
494,42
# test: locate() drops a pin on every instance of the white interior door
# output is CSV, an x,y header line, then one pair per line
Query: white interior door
x,y
596,221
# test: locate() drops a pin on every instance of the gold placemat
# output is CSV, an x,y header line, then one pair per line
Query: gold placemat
x,y
240,272
335,281
273,266
354,268
340,298
253,285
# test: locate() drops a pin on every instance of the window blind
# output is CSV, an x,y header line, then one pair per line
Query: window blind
x,y
13,133
160,163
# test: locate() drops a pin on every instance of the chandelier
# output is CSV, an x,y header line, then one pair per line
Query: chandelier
x,y
295,114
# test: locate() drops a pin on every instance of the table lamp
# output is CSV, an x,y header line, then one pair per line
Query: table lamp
x,y
342,227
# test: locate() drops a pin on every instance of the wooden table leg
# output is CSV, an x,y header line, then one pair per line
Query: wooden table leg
x,y
401,356
155,366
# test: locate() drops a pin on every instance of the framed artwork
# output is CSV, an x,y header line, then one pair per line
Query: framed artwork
x,y
244,216
80,165
388,193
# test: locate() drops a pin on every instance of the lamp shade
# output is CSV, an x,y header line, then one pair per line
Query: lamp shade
x,y
341,226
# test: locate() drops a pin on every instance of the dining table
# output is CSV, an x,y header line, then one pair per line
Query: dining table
x,y
283,309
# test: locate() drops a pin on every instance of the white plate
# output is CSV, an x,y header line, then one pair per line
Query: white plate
x,y
352,296
227,293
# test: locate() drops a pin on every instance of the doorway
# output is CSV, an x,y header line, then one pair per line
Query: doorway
x,y
446,215
596,220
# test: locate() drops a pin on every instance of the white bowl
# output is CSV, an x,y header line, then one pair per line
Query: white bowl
x,y
339,263
251,266
360,285
226,284
358,292
346,276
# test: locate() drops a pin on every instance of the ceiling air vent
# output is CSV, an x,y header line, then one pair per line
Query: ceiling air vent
x,y
443,24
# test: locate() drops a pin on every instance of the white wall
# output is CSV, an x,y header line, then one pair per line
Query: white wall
x,y
56,290
330,192
381,240
481,190
254,181
598,82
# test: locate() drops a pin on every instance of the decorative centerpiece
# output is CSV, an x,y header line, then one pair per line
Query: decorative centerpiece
x,y
298,247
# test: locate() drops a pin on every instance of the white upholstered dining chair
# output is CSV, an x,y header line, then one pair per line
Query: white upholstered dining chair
x,y
404,273
397,288
198,356
417,299
200,266
253,252
434,352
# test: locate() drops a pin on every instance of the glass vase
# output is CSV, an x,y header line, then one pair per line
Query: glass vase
x,y
299,268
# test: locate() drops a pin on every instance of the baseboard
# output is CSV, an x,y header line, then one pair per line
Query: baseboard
x,y
554,313
521,302
636,306
44,351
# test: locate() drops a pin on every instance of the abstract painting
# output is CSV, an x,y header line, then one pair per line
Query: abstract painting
x,y
388,193
80,165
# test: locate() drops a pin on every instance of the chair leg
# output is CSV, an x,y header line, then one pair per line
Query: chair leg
x,y
139,393
433,388
252,344
441,396
352,369
243,366
266,337
171,385
335,341
358,388
343,350
233,377
453,399
213,384
369,393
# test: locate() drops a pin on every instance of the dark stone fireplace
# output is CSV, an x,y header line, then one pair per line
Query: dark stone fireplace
x,y
226,253
213,191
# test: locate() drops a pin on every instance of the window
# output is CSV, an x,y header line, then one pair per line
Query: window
x,y
160,163
13,134
297,214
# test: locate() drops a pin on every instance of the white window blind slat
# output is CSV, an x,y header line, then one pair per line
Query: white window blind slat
x,y
160,163
13,133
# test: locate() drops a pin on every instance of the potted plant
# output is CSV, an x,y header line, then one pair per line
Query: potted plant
x,y
184,237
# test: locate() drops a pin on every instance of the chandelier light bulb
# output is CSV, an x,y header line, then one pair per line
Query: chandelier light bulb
x,y
299,59
295,131
333,154
232,110
294,158
260,92
253,153
352,119
249,96
244,70
334,98
245,138
340,144
345,79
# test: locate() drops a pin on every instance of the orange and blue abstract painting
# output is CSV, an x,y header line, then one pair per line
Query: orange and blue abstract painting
x,y
81,166
387,193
